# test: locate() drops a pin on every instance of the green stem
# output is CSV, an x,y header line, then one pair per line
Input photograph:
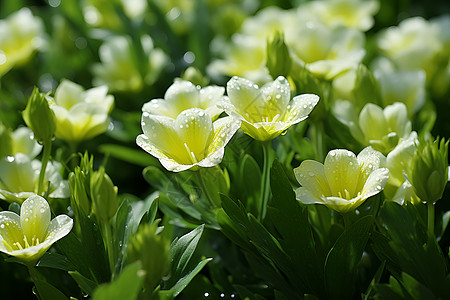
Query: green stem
x,y
204,190
430,207
45,158
265,184
109,248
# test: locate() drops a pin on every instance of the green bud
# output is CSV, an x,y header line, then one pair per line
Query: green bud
x,y
152,250
103,195
5,141
367,88
80,185
39,117
194,75
429,170
278,59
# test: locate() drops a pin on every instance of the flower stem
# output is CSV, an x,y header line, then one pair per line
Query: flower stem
x,y
45,158
430,207
265,183
204,190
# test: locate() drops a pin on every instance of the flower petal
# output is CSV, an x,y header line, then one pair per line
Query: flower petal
x,y
342,205
276,94
372,122
247,98
311,175
300,107
195,131
306,197
341,172
68,94
375,183
59,227
181,95
17,174
35,218
368,161
224,130
10,231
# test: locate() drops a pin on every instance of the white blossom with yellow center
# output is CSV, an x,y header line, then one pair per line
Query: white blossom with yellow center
x,y
189,141
344,181
30,235
182,95
266,112
81,114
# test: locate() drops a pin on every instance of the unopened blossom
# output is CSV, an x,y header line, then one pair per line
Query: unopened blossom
x,y
189,141
81,114
182,95
268,111
344,181
28,236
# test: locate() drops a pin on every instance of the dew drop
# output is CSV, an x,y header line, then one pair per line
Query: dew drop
x,y
2,226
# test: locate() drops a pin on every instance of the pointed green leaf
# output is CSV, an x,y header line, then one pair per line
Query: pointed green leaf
x,y
344,257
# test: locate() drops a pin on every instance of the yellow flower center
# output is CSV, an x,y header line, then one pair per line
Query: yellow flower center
x,y
22,245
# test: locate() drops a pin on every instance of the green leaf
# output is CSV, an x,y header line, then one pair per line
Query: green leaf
x,y
126,286
290,221
343,258
414,253
250,183
56,261
130,155
180,253
88,286
47,291
367,88
417,290
184,281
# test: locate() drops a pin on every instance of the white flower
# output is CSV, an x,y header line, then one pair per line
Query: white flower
x,y
190,141
19,176
80,114
30,235
182,95
344,181
120,69
23,142
20,36
349,13
266,112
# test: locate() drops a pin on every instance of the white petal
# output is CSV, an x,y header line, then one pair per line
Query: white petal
x,y
182,95
10,230
306,197
375,183
300,107
35,217
372,122
195,131
247,98
224,129
68,94
59,228
311,175
341,172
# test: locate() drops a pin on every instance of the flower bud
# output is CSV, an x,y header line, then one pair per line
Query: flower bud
x,y
278,59
104,195
152,250
429,170
39,117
